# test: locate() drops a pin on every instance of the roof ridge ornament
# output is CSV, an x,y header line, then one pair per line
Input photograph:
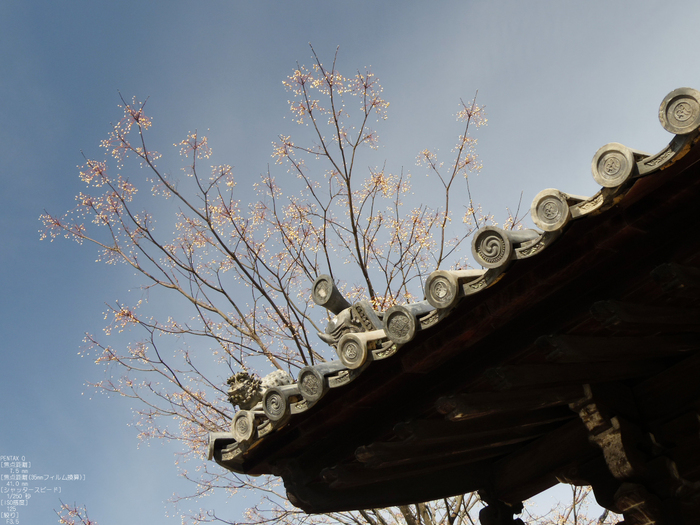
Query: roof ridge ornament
x,y
613,164
680,111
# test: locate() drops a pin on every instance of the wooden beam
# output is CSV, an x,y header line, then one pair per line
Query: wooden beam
x,y
319,497
647,318
482,404
685,427
430,428
379,456
538,375
437,446
523,473
581,349
675,278
670,393
349,475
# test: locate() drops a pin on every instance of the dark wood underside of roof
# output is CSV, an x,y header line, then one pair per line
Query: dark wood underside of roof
x,y
608,316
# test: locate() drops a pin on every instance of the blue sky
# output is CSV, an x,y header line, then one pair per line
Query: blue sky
x,y
559,80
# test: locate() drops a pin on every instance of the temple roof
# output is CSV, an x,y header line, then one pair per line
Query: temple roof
x,y
573,356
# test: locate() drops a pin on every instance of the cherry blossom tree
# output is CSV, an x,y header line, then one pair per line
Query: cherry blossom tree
x,y
240,269
73,515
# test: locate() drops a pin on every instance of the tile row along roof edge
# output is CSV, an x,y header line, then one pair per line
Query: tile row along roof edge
x,y
360,335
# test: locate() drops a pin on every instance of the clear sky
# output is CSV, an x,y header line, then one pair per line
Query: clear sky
x,y
559,79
